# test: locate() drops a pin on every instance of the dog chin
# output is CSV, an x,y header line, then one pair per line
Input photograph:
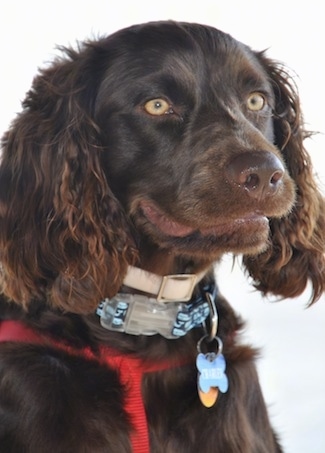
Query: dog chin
x,y
246,235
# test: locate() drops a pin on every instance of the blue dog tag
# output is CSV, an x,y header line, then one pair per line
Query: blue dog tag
x,y
211,377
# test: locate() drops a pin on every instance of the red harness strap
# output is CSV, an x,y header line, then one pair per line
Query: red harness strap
x,y
131,372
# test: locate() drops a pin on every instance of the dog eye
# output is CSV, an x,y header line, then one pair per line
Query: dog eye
x,y
256,102
158,107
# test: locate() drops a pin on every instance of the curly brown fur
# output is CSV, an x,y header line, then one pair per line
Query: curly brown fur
x,y
297,250
164,146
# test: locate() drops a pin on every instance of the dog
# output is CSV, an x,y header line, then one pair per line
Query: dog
x,y
137,161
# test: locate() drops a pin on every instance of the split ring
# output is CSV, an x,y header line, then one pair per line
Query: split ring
x,y
216,339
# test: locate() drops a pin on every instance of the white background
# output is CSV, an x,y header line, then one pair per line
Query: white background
x,y
292,339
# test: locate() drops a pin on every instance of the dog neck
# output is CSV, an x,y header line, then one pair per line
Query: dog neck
x,y
170,306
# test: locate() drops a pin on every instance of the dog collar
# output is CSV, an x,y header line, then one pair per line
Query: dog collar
x,y
137,314
169,288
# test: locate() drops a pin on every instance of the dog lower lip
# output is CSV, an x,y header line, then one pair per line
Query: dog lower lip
x,y
175,229
251,220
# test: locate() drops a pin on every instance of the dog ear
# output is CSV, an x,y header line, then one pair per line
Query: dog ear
x,y
63,234
297,241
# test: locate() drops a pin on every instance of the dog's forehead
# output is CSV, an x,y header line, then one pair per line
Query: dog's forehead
x,y
180,48
190,58
155,42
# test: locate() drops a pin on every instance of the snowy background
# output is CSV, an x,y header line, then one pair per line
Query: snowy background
x,y
291,338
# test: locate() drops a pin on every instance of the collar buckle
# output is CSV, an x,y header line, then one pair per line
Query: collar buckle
x,y
177,288
141,315
168,288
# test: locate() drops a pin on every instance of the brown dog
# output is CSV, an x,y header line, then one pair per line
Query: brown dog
x,y
137,162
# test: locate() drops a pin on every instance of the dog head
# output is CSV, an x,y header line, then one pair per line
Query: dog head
x,y
164,136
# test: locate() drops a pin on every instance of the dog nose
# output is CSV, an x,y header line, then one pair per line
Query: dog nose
x,y
259,173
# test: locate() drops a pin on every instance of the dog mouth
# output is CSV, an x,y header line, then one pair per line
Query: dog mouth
x,y
164,223
169,227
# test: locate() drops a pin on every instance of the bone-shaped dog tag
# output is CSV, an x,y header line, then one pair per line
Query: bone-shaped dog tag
x,y
211,377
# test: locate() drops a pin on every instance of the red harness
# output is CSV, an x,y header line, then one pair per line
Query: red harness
x,y
131,371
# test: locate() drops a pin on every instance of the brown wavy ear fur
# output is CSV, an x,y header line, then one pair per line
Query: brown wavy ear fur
x,y
297,242
62,232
